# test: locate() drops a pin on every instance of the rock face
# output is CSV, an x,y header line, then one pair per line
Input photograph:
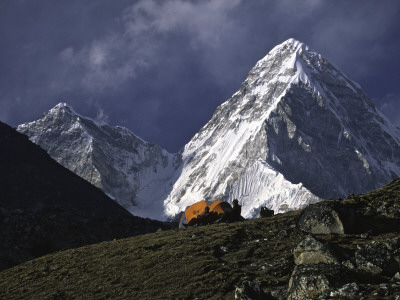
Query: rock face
x,y
297,131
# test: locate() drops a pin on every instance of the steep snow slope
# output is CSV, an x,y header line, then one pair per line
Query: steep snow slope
x,y
297,130
130,170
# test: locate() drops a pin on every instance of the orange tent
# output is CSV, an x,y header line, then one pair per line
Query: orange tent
x,y
192,212
198,208
220,207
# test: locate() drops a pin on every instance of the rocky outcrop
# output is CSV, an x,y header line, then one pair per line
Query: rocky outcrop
x,y
314,281
321,219
320,276
311,251
360,271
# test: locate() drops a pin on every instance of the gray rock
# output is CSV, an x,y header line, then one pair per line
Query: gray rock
x,y
311,251
313,281
376,259
349,290
349,264
396,277
393,244
320,219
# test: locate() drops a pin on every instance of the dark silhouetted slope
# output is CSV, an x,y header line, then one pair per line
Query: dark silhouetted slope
x,y
45,208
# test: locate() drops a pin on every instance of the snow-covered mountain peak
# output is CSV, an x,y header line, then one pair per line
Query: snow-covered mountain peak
x,y
291,44
298,130
62,105
61,109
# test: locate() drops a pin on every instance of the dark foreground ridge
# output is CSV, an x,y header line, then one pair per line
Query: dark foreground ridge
x,y
46,208
347,249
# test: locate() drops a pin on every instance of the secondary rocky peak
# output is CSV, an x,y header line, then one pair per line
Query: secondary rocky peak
x,y
127,168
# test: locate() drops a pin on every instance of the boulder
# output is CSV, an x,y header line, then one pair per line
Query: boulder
x,y
311,251
320,219
314,281
376,259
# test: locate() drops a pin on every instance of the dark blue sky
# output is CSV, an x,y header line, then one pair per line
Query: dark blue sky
x,y
160,68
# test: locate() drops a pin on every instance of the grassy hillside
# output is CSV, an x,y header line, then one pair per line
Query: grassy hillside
x,y
209,262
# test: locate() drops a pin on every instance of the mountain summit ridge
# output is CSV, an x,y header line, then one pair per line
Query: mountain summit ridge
x,y
297,131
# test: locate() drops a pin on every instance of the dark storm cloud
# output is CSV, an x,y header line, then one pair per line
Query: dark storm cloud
x,y
160,68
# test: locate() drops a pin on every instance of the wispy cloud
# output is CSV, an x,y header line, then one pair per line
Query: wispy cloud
x,y
111,60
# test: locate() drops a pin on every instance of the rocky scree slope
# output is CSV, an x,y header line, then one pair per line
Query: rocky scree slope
x,y
46,208
297,131
295,255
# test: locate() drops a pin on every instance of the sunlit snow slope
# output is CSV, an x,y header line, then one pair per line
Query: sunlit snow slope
x,y
297,130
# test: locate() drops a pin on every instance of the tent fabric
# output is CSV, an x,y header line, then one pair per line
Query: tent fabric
x,y
192,212
220,207
198,208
